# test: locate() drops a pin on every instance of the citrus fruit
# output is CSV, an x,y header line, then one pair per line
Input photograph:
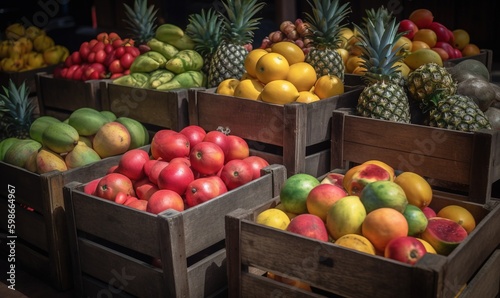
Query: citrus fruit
x,y
249,88
428,246
353,61
270,67
273,217
459,215
418,191
418,44
460,38
470,49
307,97
417,221
356,242
293,194
302,75
292,52
251,60
227,87
279,92
328,86
426,35
382,225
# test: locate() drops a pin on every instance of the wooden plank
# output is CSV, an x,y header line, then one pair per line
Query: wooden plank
x,y
208,276
27,76
258,286
27,185
29,226
486,282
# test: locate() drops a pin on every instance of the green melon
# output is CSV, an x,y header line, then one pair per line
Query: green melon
x,y
293,194
444,234
383,194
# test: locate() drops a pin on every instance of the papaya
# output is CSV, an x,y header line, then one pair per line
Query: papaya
x,y
185,60
138,137
345,217
5,145
39,125
159,77
136,79
148,62
183,43
167,50
60,137
188,79
168,32
20,152
380,194
80,156
87,121
48,160
108,114
443,234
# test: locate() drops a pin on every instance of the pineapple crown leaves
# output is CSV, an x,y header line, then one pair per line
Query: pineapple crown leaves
x,y
381,13
141,20
19,108
205,29
239,21
325,22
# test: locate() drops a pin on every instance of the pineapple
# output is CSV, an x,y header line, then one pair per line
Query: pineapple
x,y
141,21
383,97
325,35
205,29
16,120
456,111
426,80
239,24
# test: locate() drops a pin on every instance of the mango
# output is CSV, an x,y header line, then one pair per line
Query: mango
x,y
20,152
111,139
80,156
60,137
48,160
87,121
422,56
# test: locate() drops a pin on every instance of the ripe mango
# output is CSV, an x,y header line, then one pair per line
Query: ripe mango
x,y
421,57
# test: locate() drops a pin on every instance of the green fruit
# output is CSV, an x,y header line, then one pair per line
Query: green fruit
x,y
80,156
108,114
345,217
417,221
20,152
60,137
294,192
39,125
87,121
5,145
136,130
381,194
444,234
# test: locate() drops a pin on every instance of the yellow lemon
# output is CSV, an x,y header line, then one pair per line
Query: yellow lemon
x,y
292,52
272,66
227,87
328,86
282,208
307,97
302,75
248,88
279,92
273,217
251,60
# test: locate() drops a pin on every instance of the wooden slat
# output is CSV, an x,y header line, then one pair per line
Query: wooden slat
x,y
258,286
29,226
486,282
208,276
28,188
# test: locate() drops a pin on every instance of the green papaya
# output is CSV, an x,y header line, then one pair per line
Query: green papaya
x,y
168,32
136,130
159,77
108,114
137,79
39,125
5,145
20,152
167,50
60,137
184,61
188,79
87,121
183,43
148,62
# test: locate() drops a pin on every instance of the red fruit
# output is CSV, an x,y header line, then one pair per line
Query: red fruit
x,y
458,53
206,158
164,199
138,204
447,47
218,138
108,48
194,133
442,53
148,165
155,171
429,212
169,144
117,43
99,67
308,225
236,173
130,200
257,163
90,187
405,249
84,50
144,189
111,184
71,71
132,50
443,234
409,27
132,162
121,197
119,52
321,198
98,46
421,17
112,169
92,42
103,36
126,60
335,179
203,189
184,160
116,76
91,57
175,176
78,73
237,148
116,67
440,30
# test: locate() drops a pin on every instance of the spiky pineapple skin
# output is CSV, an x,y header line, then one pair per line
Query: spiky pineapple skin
x,y
227,62
326,62
427,79
378,101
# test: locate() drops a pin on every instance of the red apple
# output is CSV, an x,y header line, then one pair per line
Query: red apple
x,y
458,53
132,50
237,148
148,165
421,17
447,47
308,225
91,186
91,57
164,199
405,249
132,162
116,67
429,212
108,48
204,189
175,176
236,173
440,30
98,46
257,163
126,60
322,197
121,197
194,133
119,52
206,158
409,27
111,184
78,73
84,50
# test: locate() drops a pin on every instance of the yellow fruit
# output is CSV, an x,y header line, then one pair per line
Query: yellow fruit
x,y
15,31
418,191
426,35
360,70
273,217
470,49
418,44
356,242
460,215
352,62
272,66
282,208
248,88
292,52
405,70
279,92
328,86
307,97
344,54
227,87
345,34
26,44
422,56
42,42
428,246
403,42
32,32
460,38
302,75
251,60
35,60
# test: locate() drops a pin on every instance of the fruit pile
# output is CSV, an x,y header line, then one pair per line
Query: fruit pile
x,y
280,75
29,48
370,209
87,136
183,169
106,56
295,32
170,63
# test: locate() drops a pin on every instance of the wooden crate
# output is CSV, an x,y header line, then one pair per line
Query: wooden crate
x,y
296,135
28,76
459,161
155,109
335,271
42,246
107,239
59,97
485,57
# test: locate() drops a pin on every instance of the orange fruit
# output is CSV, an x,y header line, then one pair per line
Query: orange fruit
x,y
272,66
251,60
470,49
460,215
273,217
360,70
417,189
418,44
279,92
356,242
302,75
460,38
428,246
307,97
442,53
352,62
426,35
344,54
328,86
382,225
227,87
249,88
292,52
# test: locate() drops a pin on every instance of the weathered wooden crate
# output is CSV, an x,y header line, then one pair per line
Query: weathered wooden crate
x,y
335,271
296,135
460,161
28,76
59,97
155,109
485,57
109,239
42,246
